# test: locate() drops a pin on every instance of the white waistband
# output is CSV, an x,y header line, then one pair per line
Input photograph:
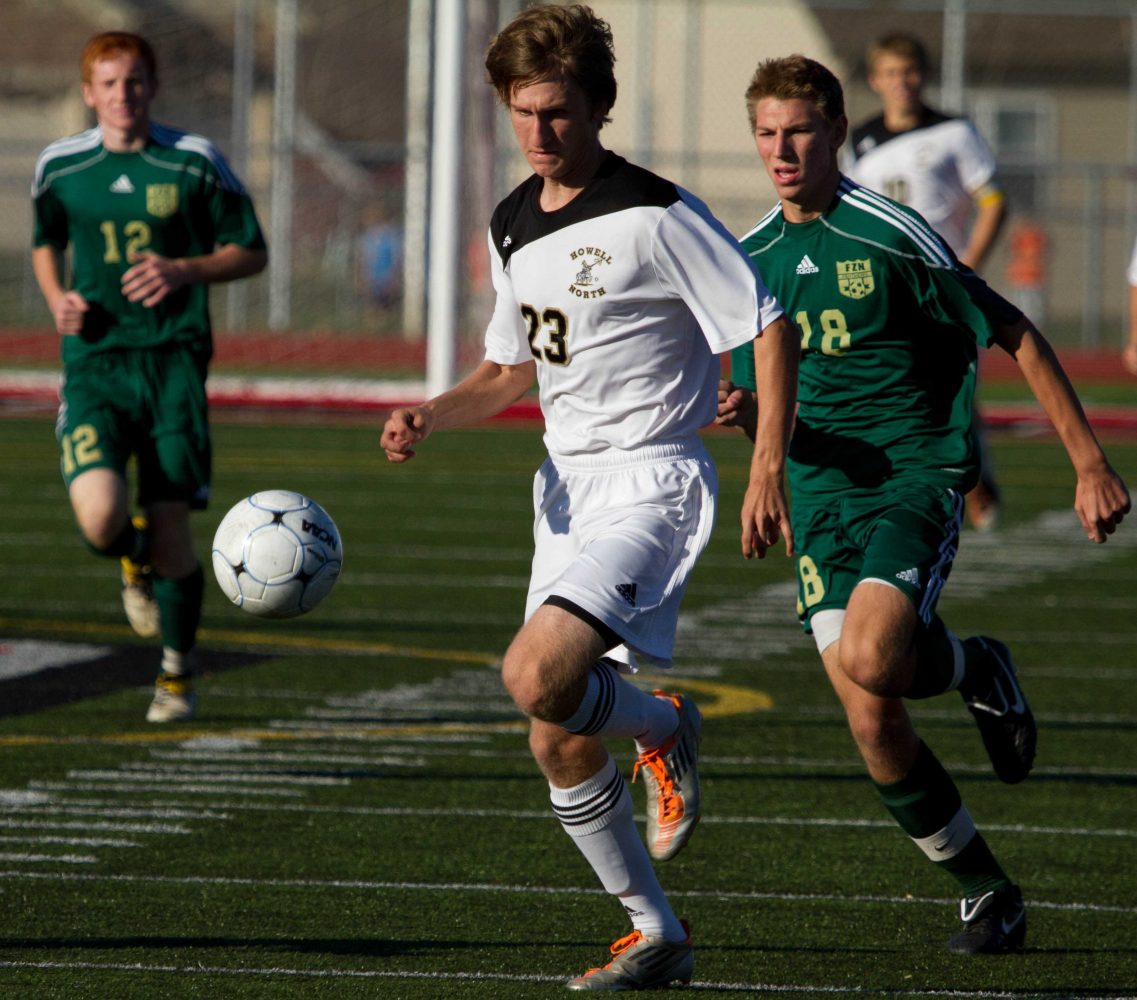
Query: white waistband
x,y
621,458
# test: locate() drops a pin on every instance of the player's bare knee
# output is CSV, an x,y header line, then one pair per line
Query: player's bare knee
x,y
545,679
522,676
540,701
99,502
870,664
864,668
100,526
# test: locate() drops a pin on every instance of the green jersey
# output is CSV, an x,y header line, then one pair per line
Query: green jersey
x,y
889,325
176,197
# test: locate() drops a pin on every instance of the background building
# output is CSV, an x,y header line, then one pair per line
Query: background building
x,y
325,108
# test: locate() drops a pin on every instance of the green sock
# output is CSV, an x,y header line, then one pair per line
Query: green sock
x,y
928,807
129,542
939,661
179,607
976,869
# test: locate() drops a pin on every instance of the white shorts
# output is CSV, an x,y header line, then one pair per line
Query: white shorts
x,y
617,534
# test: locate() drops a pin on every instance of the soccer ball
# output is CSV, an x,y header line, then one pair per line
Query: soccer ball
x,y
277,554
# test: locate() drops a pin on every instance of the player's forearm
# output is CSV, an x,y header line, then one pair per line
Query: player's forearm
x,y
1132,332
1047,380
484,393
988,222
776,355
227,263
48,274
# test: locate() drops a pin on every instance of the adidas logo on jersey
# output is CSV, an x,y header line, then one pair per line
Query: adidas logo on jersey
x,y
628,592
806,266
507,243
911,576
122,185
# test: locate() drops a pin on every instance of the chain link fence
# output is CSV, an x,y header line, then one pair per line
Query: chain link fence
x,y
334,96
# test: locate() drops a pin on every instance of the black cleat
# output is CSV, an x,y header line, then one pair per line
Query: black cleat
x,y
993,923
1005,720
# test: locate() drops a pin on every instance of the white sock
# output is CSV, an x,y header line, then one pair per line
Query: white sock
x,y
613,707
174,663
958,663
598,815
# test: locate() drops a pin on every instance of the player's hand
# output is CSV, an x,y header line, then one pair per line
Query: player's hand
x,y
1101,502
68,312
737,407
151,278
765,518
405,428
1129,357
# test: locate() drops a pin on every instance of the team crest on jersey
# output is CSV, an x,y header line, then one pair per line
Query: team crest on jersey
x,y
854,278
586,282
161,200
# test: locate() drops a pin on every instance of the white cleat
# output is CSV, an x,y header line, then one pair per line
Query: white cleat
x,y
174,700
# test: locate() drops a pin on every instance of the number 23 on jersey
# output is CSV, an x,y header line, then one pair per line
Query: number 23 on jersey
x,y
553,324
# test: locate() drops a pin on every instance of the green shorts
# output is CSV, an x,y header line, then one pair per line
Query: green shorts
x,y
147,403
906,535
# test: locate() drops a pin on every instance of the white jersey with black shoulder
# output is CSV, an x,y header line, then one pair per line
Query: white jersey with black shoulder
x,y
624,298
935,168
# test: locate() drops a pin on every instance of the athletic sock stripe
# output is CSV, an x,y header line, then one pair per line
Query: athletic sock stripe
x,y
593,808
605,701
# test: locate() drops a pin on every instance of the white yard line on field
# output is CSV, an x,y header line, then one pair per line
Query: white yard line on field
x,y
382,885
498,977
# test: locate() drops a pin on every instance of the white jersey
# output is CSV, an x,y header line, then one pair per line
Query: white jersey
x,y
1131,274
624,297
935,168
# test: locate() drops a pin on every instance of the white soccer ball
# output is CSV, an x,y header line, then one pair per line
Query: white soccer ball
x,y
277,554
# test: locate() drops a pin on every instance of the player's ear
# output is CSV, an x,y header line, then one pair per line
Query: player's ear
x,y
840,131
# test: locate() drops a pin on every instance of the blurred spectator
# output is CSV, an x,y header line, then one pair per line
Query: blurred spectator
x,y
379,260
1026,269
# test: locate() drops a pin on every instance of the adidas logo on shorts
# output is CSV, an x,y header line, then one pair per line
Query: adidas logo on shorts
x,y
628,592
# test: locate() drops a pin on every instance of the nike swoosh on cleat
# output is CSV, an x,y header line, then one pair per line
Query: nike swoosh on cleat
x,y
1018,706
969,908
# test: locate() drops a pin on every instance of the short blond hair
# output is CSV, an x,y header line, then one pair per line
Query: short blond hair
x,y
901,44
793,77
